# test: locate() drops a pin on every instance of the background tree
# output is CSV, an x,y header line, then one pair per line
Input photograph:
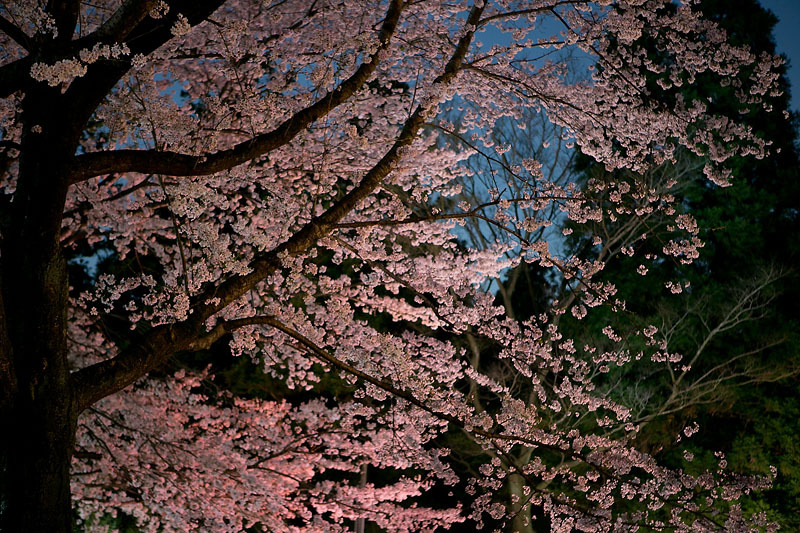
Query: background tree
x,y
719,325
223,148
736,327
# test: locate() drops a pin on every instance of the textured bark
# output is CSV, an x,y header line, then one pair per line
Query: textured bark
x,y
37,398
39,419
520,508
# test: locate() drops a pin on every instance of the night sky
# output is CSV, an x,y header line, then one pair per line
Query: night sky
x,y
787,36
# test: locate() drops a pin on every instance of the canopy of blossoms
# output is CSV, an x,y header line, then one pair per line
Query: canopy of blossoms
x,y
275,173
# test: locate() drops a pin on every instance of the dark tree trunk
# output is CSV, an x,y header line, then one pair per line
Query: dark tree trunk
x,y
38,427
38,401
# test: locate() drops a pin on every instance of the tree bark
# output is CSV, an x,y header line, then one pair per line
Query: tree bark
x,y
520,507
38,404
38,415
40,401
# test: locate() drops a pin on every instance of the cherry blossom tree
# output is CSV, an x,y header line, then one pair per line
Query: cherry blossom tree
x,y
664,374
238,155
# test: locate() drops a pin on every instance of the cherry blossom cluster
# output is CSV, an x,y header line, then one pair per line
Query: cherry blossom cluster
x,y
369,242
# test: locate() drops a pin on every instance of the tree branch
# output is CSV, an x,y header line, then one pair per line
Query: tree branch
x,y
175,164
19,36
15,76
65,13
8,378
156,346
123,21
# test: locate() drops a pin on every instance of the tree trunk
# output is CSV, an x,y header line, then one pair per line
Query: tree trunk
x,y
520,507
38,450
37,404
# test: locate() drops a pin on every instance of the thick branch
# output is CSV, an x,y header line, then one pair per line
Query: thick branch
x,y
19,37
87,92
321,225
65,13
176,164
15,76
123,21
107,377
8,378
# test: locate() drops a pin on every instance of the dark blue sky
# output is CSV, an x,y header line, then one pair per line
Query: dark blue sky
x,y
787,37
